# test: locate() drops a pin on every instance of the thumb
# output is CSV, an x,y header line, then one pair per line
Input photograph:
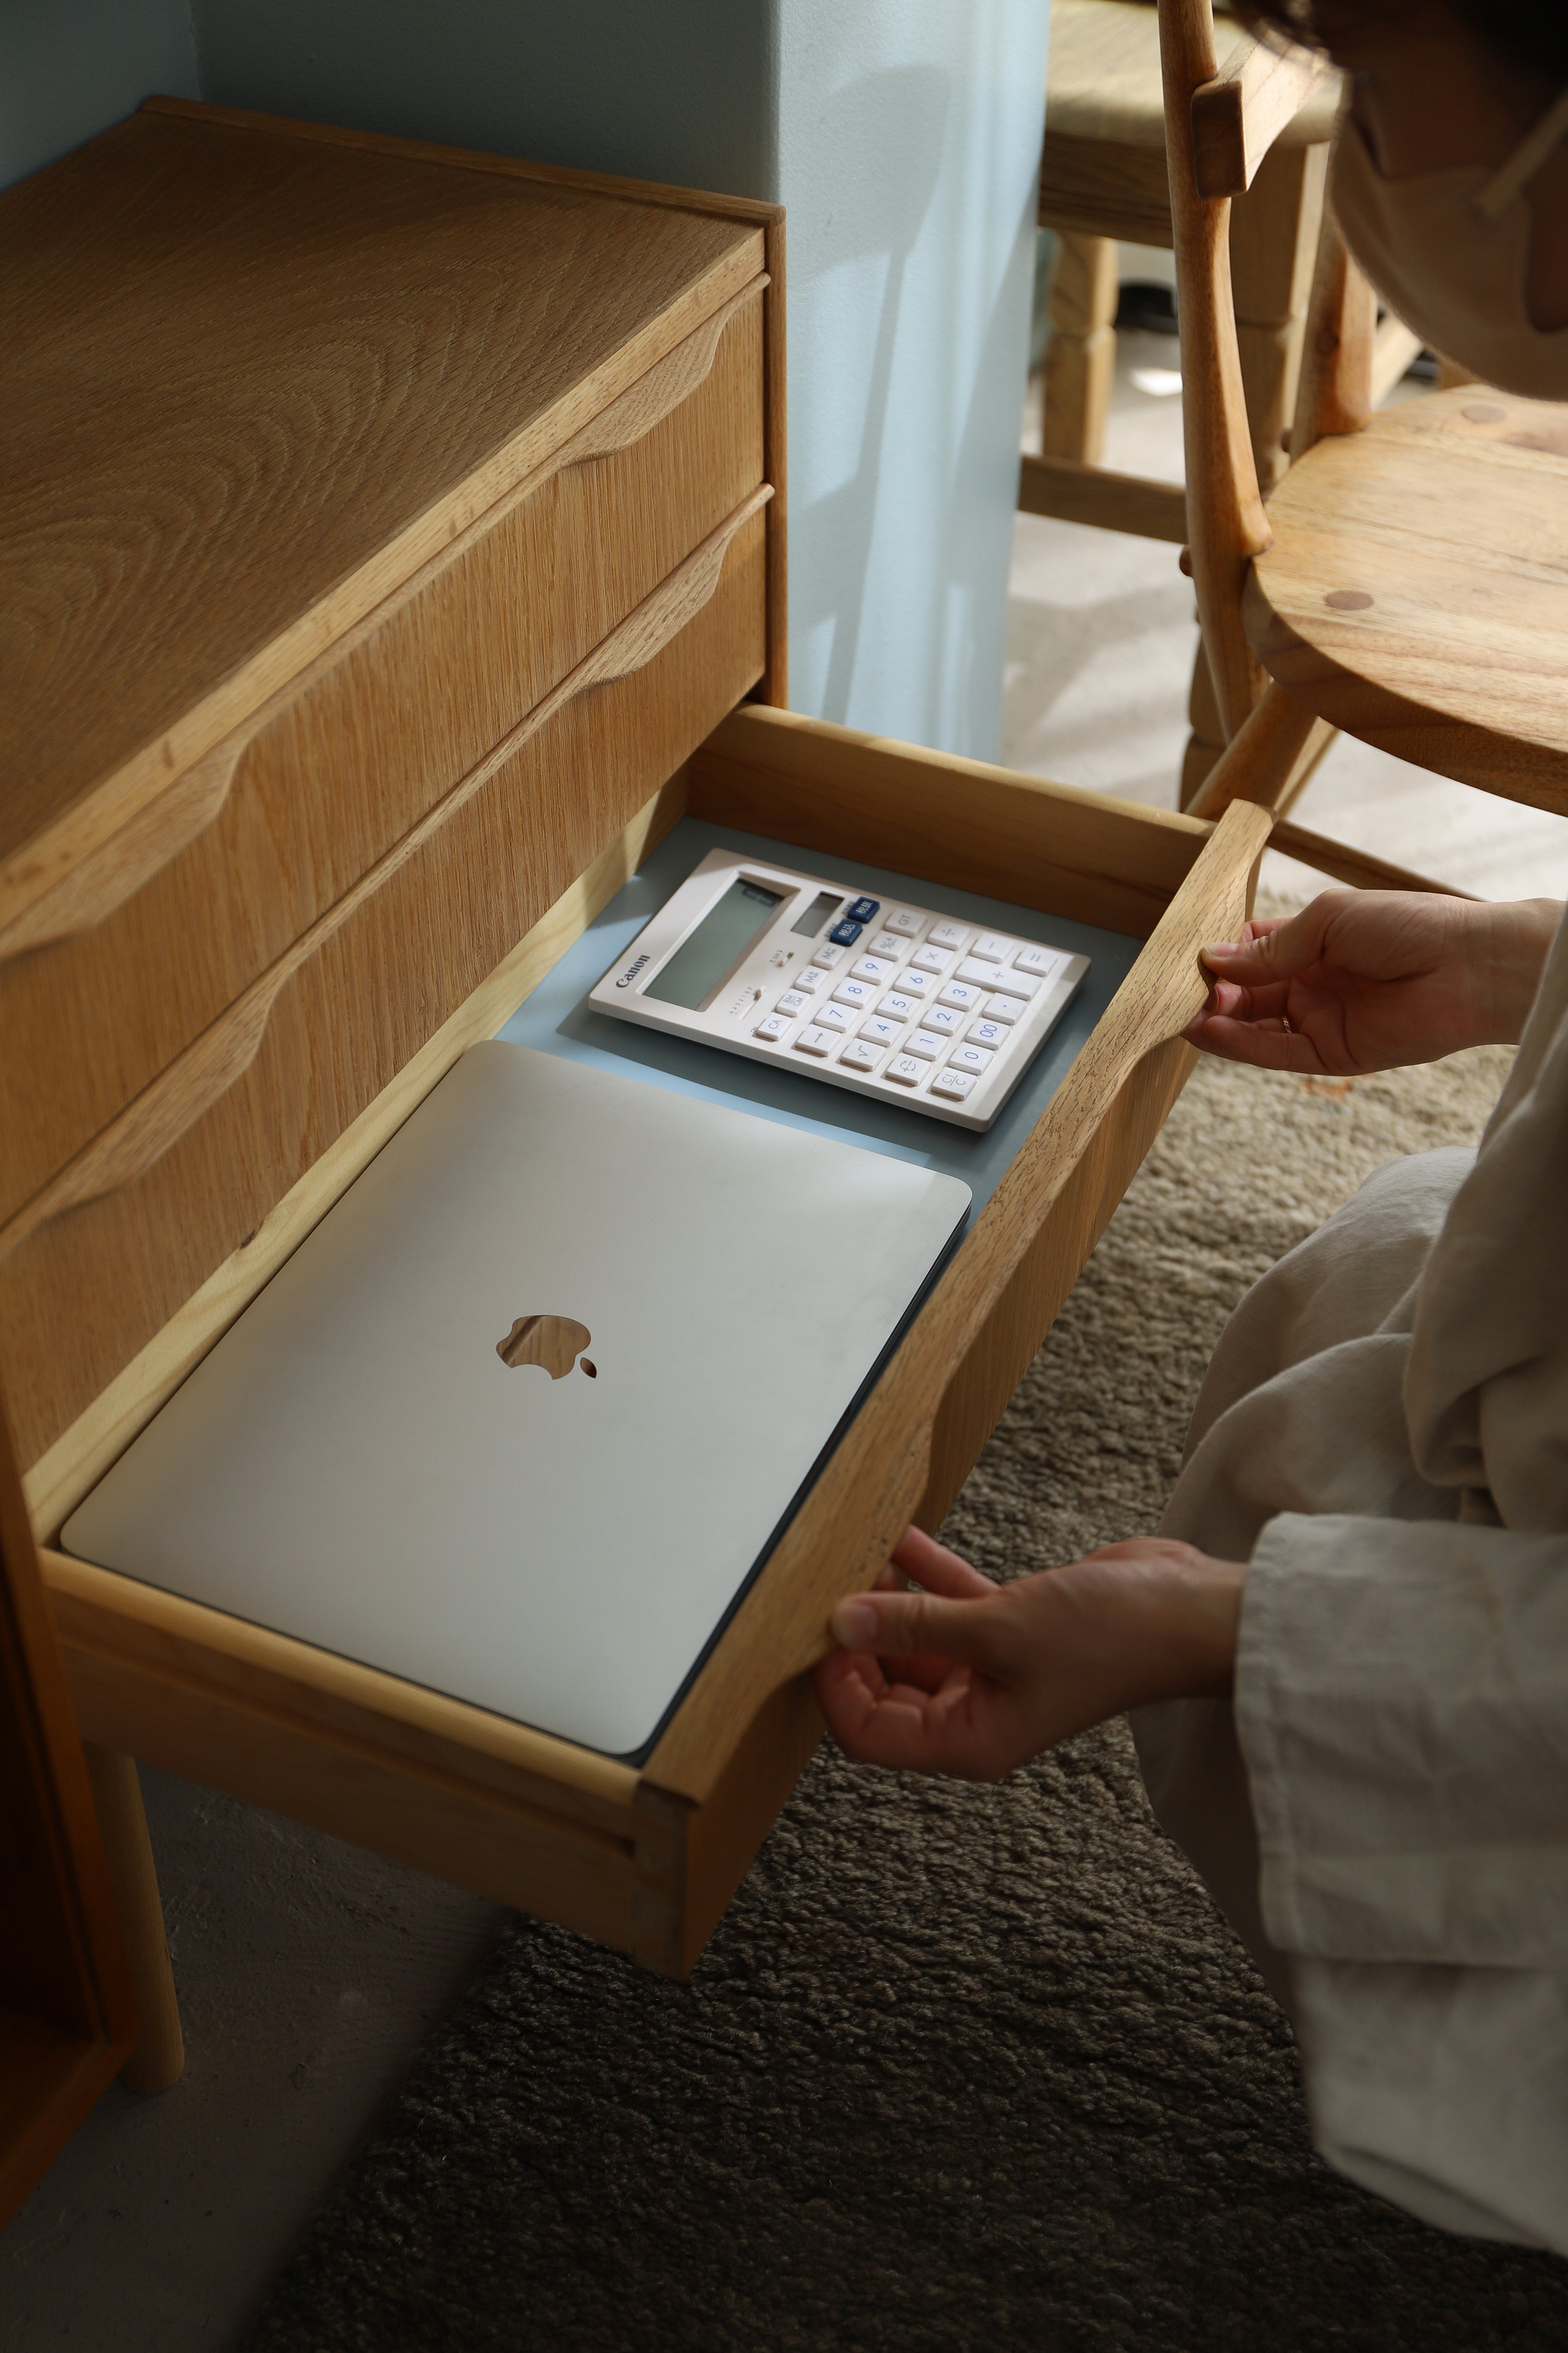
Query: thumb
x,y
908,1625
1275,950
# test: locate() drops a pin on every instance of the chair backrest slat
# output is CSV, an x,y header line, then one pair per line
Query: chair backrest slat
x,y
1226,519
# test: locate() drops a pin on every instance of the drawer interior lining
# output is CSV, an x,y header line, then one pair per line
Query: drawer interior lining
x,y
555,1019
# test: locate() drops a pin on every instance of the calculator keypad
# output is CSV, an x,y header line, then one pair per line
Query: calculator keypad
x,y
905,1002
933,960
925,1006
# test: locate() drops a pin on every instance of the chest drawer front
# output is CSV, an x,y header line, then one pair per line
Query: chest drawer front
x,y
242,855
83,1289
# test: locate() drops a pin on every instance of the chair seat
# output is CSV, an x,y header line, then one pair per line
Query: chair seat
x,y
1417,591
1103,166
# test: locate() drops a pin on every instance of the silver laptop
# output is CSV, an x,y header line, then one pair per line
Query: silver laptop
x,y
521,1417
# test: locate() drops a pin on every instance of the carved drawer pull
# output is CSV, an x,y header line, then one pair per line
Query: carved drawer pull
x,y
196,1078
118,868
655,396
91,889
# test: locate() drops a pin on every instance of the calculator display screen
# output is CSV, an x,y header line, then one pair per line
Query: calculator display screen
x,y
723,936
826,905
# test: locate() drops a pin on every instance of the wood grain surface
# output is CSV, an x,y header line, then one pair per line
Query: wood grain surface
x,y
1417,592
869,798
1225,508
302,800
159,2058
332,357
1095,494
1103,166
448,1789
1259,92
101,1261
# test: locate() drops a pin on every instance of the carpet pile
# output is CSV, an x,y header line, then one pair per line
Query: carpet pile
x,y
962,2068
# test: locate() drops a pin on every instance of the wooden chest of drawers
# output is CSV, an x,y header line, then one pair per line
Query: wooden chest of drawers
x,y
366,500
400,539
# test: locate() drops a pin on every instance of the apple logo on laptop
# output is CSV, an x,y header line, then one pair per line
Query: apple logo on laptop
x,y
555,1342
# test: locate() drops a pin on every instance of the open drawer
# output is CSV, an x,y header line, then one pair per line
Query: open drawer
x,y
647,1859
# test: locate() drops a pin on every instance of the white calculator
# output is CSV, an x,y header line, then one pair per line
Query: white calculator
x,y
868,993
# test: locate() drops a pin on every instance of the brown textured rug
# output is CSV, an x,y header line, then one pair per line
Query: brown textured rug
x,y
962,2068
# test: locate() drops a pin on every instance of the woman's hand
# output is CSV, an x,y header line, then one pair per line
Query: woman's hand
x,y
966,1677
1373,980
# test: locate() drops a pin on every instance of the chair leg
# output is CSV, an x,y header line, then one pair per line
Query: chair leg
x,y
1206,741
159,2056
1080,356
1273,244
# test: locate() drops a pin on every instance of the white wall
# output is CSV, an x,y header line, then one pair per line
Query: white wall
x,y
902,135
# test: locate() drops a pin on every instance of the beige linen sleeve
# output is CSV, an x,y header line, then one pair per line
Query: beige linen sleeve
x,y
1401,1705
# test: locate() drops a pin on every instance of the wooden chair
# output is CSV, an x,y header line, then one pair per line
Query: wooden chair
x,y
1103,179
1407,580
1264,127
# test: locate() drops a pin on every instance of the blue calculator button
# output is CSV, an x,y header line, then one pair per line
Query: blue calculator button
x,y
846,933
860,911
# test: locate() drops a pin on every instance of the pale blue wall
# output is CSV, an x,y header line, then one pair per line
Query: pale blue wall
x,y
908,158
70,67
902,135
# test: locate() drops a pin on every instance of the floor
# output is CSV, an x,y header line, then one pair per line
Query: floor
x,y
309,1971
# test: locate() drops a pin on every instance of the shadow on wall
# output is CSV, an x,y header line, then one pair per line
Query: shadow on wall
x,y
911,189
885,186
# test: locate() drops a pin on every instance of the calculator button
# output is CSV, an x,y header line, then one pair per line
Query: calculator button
x,y
898,1005
845,935
914,983
970,1058
792,1001
859,1055
929,960
954,1083
809,981
815,1041
1005,1009
1016,983
963,994
949,935
1039,960
827,955
907,920
834,1017
991,948
856,992
860,910
776,1025
869,967
926,1046
989,1033
943,1019
880,1033
978,975
888,944
905,1071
